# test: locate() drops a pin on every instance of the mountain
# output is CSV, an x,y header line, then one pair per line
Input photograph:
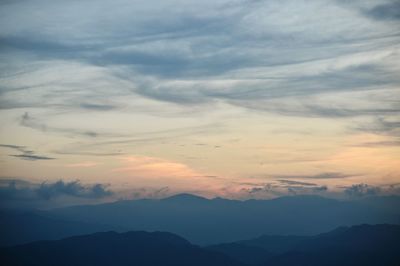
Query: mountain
x,y
185,198
261,249
274,243
361,245
250,255
366,245
19,227
357,245
212,221
110,248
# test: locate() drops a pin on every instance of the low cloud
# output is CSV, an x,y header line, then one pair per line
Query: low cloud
x,y
361,190
282,188
20,193
75,189
299,190
152,193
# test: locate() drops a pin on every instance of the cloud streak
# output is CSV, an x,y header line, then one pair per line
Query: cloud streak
x,y
26,154
191,58
327,175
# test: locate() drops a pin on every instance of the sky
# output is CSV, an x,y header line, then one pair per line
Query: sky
x,y
239,99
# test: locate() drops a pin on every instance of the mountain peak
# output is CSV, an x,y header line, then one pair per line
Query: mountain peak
x,y
185,197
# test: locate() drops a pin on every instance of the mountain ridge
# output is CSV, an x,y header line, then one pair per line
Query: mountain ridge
x,y
164,248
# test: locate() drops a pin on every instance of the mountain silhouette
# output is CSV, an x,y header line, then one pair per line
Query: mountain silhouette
x,y
361,245
367,245
274,243
357,245
114,249
19,227
211,221
251,255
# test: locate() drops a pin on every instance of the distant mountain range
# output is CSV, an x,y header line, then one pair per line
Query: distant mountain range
x,y
20,227
209,221
202,221
363,245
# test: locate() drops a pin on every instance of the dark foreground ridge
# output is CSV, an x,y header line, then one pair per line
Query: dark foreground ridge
x,y
21,227
362,245
371,245
114,249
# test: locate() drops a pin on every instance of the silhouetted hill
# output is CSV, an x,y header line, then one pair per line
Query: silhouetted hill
x,y
362,245
275,244
185,198
19,227
114,249
204,221
260,249
243,253
357,246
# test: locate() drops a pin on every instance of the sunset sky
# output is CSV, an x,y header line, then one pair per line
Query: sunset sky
x,y
238,99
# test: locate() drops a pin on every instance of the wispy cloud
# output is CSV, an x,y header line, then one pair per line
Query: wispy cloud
x,y
31,122
386,11
382,125
294,182
26,154
327,175
82,164
31,157
383,143
198,56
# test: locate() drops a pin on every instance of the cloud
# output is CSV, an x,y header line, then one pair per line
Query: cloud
x,y
327,175
85,63
389,126
387,11
155,167
280,188
19,190
361,190
151,193
383,143
293,182
31,157
298,190
194,56
73,188
31,122
97,107
15,147
25,153
82,164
